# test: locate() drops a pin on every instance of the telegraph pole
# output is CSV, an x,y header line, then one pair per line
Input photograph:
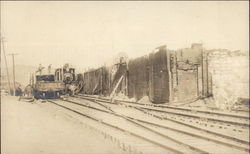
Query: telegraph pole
x,y
14,80
2,40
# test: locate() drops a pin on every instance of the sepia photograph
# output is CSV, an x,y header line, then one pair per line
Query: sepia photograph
x,y
124,77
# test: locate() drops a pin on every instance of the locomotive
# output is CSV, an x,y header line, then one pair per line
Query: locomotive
x,y
46,87
53,85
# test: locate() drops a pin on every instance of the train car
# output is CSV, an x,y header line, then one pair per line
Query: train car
x,y
97,82
106,80
46,87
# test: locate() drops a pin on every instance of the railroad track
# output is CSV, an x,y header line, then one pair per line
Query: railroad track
x,y
220,134
232,122
161,130
213,111
133,128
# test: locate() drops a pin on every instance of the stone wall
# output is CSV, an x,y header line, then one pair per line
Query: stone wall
x,y
230,76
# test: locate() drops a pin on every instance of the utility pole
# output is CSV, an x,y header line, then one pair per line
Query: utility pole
x,y
14,80
0,72
7,71
202,73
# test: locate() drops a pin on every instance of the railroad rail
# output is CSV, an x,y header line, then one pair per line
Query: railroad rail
x,y
142,123
231,119
246,142
213,111
160,144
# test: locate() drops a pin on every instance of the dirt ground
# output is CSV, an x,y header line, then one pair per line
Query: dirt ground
x,y
27,128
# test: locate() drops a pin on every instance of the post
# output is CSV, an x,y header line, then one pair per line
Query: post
x,y
6,64
170,89
32,80
197,74
176,68
202,74
13,60
61,74
14,80
207,74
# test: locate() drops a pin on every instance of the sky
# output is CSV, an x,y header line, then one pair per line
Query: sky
x,y
90,34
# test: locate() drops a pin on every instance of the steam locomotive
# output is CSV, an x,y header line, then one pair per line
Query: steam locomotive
x,y
53,85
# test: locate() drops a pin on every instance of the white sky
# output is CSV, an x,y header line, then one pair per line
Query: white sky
x,y
87,34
